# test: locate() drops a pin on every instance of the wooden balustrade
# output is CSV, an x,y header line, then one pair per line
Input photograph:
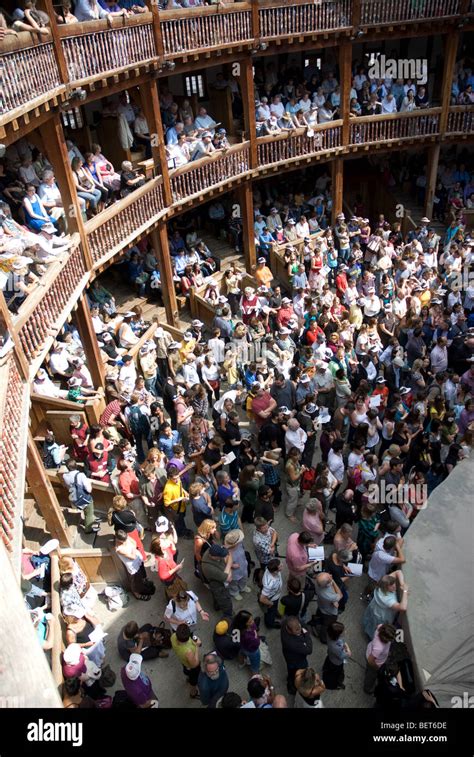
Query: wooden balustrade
x,y
297,144
28,72
396,126
286,19
208,173
113,229
460,120
47,307
97,47
387,11
187,30
13,426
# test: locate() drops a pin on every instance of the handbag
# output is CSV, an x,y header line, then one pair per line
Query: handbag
x,y
80,500
265,654
161,636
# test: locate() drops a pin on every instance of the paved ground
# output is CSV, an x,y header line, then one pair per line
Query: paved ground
x,y
166,674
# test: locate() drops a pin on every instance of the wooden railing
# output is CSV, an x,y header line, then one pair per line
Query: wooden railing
x,y
396,126
110,231
376,12
296,144
44,309
280,19
28,72
460,120
208,173
98,47
208,27
13,427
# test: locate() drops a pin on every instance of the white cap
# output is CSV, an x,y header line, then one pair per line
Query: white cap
x,y
197,323
162,524
134,666
72,654
187,336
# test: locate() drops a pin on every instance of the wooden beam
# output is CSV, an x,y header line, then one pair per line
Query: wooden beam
x,y
356,4
57,46
151,106
431,174
89,342
248,101
255,23
45,497
337,187
345,75
159,240
52,136
451,43
245,199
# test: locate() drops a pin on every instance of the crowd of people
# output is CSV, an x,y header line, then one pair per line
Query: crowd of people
x,y
297,408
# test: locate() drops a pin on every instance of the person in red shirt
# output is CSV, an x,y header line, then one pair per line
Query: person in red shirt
x,y
285,313
262,404
79,432
341,282
382,390
130,488
97,463
313,332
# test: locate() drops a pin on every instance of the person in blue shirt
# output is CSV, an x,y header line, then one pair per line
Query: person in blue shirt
x,y
265,241
167,439
250,376
300,280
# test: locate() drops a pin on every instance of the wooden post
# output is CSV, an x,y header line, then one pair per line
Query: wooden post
x,y
6,325
245,198
248,101
255,22
345,71
52,136
157,33
431,174
337,187
159,241
45,496
151,103
450,52
27,680
356,14
89,342
57,46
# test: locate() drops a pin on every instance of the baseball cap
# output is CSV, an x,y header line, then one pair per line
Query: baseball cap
x,y
215,550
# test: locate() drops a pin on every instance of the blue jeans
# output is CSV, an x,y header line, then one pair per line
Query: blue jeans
x,y
254,659
94,196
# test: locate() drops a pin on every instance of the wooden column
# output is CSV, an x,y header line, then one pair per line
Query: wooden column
x,y
157,33
89,342
57,46
451,44
245,199
151,107
52,136
159,241
248,101
431,174
345,76
255,22
6,324
337,187
356,14
45,496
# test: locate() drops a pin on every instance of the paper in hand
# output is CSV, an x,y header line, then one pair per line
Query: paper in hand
x,y
315,553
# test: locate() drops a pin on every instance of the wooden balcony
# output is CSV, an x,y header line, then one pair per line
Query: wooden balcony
x,y
396,127
98,47
14,407
378,12
210,28
460,120
45,310
196,179
29,76
293,145
280,20
121,223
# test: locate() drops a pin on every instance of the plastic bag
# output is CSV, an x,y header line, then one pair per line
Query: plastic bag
x,y
116,598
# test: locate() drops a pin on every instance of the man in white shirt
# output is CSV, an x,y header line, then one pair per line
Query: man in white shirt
x,y
382,559
97,322
389,104
203,122
439,356
263,110
50,196
60,361
295,436
126,109
371,304
127,375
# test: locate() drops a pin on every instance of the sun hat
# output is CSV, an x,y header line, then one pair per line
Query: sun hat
x,y
134,666
234,537
72,654
162,524
49,547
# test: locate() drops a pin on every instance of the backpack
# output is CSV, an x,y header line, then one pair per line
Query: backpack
x,y
138,422
307,479
78,495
